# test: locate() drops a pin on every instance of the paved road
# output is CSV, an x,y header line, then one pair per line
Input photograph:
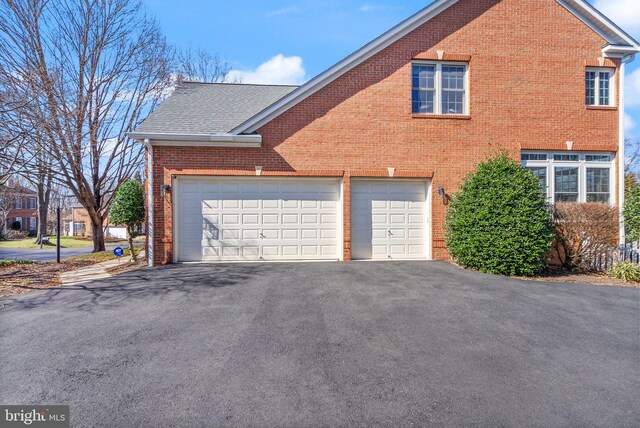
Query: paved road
x,y
47,253
325,344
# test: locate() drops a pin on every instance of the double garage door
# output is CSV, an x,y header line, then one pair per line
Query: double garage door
x,y
253,218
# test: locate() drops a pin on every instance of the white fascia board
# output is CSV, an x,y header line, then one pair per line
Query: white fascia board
x,y
200,140
356,58
618,51
599,23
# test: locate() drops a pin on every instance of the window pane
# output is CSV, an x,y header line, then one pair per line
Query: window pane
x,y
604,89
541,174
590,80
597,158
423,76
453,77
452,102
598,184
422,102
566,180
566,158
533,156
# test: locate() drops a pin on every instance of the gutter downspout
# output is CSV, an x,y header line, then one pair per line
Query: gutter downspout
x,y
150,223
621,151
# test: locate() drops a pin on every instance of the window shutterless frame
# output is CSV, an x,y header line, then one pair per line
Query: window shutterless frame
x,y
439,87
584,163
600,87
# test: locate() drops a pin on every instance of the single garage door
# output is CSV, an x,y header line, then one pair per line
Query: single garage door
x,y
257,219
389,219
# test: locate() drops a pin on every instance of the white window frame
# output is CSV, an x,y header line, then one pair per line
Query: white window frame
x,y
19,204
32,224
437,102
612,86
582,164
34,205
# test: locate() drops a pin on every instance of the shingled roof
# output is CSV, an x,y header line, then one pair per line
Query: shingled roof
x,y
211,108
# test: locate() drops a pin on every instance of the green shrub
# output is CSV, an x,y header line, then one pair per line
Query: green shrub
x,y
626,271
632,214
500,221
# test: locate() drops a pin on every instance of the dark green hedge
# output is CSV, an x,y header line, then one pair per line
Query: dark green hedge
x,y
500,221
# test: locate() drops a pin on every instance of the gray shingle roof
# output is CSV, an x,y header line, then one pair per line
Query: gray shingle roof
x,y
210,108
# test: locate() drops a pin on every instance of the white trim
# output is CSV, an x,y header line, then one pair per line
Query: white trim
x,y
350,62
599,23
202,140
612,86
437,101
621,153
150,228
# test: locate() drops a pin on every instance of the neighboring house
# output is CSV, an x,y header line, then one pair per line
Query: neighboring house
x,y
359,162
78,223
23,210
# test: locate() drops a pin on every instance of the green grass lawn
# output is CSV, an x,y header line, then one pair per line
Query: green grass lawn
x,y
104,256
65,241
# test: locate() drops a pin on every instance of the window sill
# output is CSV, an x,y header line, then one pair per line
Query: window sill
x,y
609,108
441,116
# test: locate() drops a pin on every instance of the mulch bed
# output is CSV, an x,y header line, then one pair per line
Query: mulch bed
x,y
595,278
18,279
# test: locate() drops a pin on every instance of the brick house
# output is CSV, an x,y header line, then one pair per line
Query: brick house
x,y
78,223
358,163
24,211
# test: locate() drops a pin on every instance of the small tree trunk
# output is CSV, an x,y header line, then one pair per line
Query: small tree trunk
x,y
43,210
97,235
134,256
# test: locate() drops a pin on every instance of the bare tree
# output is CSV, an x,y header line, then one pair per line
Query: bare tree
x,y
8,196
201,66
632,156
96,68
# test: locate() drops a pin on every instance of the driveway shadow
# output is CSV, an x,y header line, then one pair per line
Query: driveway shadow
x,y
147,283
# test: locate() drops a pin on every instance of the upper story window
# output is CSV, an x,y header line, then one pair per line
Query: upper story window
x,y
439,88
19,204
573,177
32,203
599,87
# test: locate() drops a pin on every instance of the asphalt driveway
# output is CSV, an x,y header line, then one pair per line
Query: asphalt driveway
x,y
325,344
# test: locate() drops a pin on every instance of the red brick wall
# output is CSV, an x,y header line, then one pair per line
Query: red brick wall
x,y
527,62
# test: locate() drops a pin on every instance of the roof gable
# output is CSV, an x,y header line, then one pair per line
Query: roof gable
x,y
619,44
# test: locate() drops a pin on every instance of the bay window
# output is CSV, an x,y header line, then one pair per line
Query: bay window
x,y
573,177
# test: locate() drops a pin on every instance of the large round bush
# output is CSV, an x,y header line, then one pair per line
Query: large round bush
x,y
500,221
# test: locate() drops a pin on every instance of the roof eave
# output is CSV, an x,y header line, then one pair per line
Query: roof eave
x,y
205,140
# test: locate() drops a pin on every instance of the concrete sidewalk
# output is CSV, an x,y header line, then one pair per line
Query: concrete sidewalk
x,y
94,272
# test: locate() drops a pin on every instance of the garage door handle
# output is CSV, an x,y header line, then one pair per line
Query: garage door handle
x,y
261,236
390,233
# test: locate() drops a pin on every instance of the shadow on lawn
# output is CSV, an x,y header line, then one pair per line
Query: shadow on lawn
x,y
174,280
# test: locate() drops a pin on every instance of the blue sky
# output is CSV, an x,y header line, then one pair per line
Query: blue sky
x,y
290,41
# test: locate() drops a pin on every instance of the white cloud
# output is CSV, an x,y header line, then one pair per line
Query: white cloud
x,y
284,11
625,13
632,89
629,123
279,70
366,8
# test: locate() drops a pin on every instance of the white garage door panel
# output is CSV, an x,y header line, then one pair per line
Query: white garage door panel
x,y
388,220
257,219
